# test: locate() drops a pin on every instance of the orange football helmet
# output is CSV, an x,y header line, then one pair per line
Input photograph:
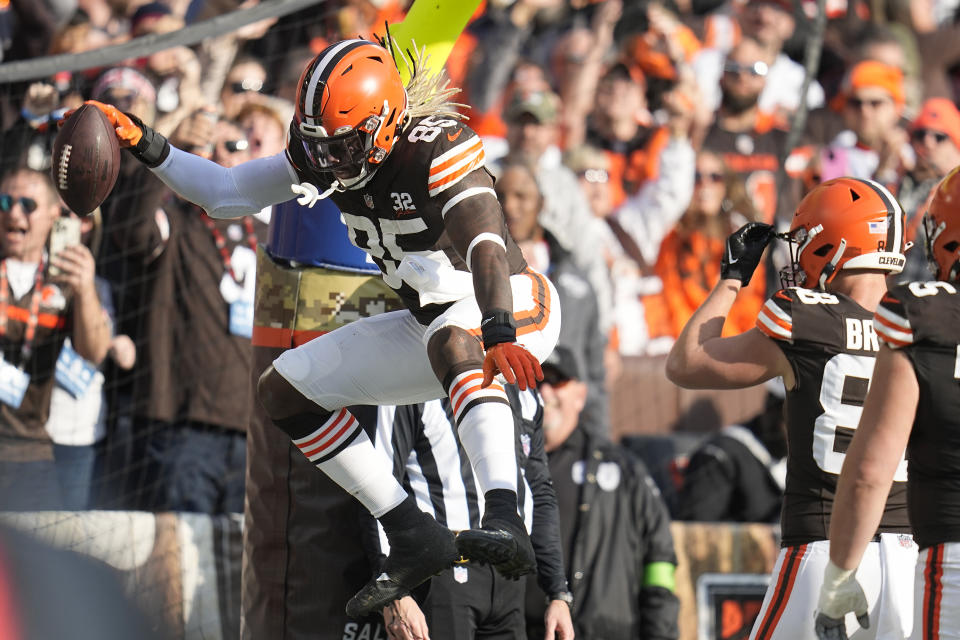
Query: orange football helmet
x,y
942,226
845,223
350,103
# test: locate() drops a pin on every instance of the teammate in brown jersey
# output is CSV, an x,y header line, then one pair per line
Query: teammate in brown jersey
x,y
846,236
408,177
914,401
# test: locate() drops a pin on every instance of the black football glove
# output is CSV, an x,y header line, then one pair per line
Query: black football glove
x,y
828,628
840,594
743,251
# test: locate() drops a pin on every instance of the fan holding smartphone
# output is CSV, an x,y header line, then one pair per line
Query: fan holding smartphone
x,y
65,233
39,312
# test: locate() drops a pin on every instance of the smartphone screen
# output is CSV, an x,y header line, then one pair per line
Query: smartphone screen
x,y
65,233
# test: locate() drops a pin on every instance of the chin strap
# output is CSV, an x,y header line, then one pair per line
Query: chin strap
x,y
832,265
309,194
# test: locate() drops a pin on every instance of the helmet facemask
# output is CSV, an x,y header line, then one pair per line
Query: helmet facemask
x,y
792,275
949,251
798,242
351,103
350,154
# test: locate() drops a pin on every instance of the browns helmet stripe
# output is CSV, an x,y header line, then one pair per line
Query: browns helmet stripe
x,y
894,216
316,78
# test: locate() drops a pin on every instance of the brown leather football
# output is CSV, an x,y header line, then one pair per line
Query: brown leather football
x,y
86,159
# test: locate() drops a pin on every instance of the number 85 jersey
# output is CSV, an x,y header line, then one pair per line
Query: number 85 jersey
x,y
831,344
397,216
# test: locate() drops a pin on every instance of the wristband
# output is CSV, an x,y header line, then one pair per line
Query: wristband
x,y
563,596
153,147
34,119
498,327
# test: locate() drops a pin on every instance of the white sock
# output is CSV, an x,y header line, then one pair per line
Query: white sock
x,y
486,428
359,468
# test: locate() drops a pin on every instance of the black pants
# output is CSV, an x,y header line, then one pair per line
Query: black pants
x,y
474,602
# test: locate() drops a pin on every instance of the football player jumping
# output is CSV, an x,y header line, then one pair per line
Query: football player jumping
x,y
845,238
409,179
914,402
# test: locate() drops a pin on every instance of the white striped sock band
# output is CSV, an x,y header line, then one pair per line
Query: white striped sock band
x,y
338,430
466,392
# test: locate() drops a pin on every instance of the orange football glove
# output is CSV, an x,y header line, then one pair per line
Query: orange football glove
x,y
515,363
128,132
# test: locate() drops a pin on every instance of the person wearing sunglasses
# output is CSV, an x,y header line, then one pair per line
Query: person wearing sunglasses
x,y
770,23
618,549
230,145
245,80
38,312
689,257
871,100
522,201
749,139
935,139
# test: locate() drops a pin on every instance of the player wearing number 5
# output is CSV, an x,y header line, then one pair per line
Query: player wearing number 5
x,y
845,238
913,402
410,182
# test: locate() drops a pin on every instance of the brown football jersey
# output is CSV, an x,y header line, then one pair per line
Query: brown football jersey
x,y
399,212
831,344
755,157
923,320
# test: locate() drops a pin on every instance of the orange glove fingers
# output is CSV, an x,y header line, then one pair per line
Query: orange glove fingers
x,y
531,368
536,371
516,364
502,359
519,367
489,371
128,132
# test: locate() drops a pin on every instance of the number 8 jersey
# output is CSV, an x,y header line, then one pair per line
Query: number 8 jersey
x,y
831,345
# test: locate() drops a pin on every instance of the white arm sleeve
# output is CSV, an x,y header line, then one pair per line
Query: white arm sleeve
x,y
228,193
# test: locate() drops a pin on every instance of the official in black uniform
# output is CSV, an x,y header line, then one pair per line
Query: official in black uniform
x,y
472,601
409,180
846,236
618,549
914,401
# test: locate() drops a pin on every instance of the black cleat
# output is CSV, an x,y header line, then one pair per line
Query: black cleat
x,y
416,554
502,542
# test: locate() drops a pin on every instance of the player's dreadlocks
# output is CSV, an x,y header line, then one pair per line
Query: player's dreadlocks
x,y
428,94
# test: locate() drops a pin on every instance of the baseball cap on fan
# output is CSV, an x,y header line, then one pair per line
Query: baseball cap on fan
x,y
146,16
128,90
873,73
544,106
561,365
939,115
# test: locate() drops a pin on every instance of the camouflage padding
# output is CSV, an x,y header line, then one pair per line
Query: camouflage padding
x,y
295,305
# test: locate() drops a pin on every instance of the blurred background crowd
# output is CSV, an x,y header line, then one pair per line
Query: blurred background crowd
x,y
628,138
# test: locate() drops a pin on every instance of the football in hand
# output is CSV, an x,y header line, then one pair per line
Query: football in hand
x,y
86,159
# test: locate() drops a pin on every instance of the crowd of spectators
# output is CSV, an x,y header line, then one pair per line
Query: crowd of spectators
x,y
628,140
